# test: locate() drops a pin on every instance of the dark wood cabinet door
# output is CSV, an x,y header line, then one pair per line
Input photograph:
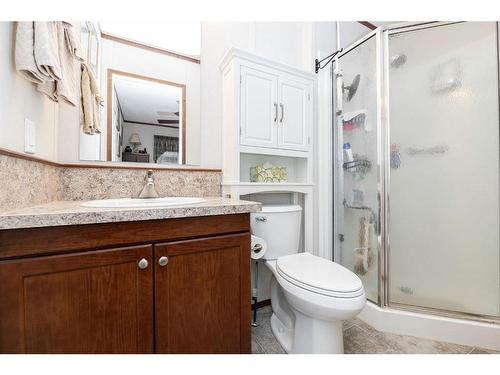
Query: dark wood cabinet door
x,y
202,295
95,302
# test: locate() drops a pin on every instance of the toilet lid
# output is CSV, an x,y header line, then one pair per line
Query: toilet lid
x,y
319,275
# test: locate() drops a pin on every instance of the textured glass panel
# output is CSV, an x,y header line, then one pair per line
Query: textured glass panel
x,y
357,203
444,225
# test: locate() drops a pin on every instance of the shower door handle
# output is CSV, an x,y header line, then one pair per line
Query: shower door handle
x,y
378,224
339,93
282,112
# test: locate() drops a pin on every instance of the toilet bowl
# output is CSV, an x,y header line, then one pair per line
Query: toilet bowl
x,y
308,316
310,296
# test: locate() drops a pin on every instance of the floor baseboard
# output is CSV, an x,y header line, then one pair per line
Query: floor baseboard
x,y
263,303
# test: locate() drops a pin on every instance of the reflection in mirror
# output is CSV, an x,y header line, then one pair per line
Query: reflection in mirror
x,y
150,94
146,119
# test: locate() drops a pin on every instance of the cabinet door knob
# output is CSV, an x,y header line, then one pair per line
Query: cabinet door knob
x,y
275,111
143,263
163,261
282,112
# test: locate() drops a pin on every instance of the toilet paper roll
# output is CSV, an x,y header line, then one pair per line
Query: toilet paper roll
x,y
258,247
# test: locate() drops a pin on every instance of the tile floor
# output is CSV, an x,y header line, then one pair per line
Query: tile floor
x,y
360,338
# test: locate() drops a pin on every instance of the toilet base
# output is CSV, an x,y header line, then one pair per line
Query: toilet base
x,y
283,334
309,336
317,336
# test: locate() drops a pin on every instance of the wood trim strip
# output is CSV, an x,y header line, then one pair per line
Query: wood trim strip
x,y
158,167
109,117
184,151
20,155
145,78
143,166
109,109
370,25
151,124
168,122
263,303
148,47
246,297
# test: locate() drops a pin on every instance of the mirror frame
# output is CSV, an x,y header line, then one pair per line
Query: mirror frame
x,y
109,109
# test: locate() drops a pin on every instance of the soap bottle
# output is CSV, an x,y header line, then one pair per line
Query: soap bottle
x,y
348,157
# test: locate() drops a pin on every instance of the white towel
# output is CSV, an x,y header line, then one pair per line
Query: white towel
x,y
91,100
66,86
24,54
48,88
71,37
364,257
46,50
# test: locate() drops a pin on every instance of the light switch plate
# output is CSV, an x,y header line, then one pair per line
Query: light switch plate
x,y
29,136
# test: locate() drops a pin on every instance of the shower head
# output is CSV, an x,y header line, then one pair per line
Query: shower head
x,y
352,88
398,60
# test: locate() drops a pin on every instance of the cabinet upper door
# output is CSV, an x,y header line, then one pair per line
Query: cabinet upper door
x,y
259,107
94,302
295,113
202,295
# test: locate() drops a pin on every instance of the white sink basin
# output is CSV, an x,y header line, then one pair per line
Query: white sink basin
x,y
143,203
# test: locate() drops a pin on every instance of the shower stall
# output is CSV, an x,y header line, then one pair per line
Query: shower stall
x,y
416,179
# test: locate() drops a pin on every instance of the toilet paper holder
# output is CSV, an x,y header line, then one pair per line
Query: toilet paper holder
x,y
257,248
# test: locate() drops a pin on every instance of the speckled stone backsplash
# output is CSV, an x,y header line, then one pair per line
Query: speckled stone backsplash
x,y
104,183
26,183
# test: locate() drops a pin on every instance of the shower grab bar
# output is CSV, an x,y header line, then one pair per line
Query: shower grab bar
x,y
438,149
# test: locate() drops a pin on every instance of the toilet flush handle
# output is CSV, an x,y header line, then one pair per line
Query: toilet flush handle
x,y
261,218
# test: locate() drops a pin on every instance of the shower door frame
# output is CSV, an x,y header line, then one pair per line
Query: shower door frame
x,y
386,32
383,159
337,151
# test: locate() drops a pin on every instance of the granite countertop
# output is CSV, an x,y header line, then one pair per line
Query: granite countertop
x,y
59,213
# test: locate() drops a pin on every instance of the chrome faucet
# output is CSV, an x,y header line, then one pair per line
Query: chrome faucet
x,y
149,190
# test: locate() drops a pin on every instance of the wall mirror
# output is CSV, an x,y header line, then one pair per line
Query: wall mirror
x,y
150,97
146,119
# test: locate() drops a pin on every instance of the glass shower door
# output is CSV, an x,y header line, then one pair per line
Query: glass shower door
x,y
357,222
444,168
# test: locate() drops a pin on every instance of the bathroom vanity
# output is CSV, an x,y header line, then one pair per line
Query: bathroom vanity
x,y
76,279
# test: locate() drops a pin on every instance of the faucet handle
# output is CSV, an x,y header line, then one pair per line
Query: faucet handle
x,y
149,174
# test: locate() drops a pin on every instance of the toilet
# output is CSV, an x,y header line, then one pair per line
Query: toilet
x,y
310,296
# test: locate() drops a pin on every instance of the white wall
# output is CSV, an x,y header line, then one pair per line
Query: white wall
x,y
19,99
130,59
146,133
351,32
57,124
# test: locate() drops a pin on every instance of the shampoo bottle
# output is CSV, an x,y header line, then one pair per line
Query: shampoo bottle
x,y
348,157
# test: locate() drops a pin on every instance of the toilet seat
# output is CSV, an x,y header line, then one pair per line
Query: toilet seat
x,y
318,275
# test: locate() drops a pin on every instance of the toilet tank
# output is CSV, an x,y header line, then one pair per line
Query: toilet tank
x,y
279,226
